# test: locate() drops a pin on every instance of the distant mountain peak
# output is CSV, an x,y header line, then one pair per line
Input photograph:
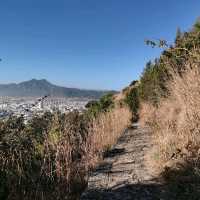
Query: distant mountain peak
x,y
37,80
40,87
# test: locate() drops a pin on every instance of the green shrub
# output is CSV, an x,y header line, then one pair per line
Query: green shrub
x,y
103,105
132,99
153,81
106,102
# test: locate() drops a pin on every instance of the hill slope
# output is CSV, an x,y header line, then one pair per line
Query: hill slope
x,y
43,87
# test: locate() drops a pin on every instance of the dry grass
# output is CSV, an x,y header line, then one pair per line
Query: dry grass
x,y
176,121
76,151
104,132
55,165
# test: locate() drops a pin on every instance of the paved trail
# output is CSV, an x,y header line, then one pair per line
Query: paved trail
x,y
123,175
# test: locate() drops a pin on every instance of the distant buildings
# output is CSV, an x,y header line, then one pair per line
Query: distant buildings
x,y
28,106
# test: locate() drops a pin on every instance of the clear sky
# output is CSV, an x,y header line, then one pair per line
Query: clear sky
x,y
96,44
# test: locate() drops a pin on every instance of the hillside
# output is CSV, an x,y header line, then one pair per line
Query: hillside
x,y
102,151
43,87
160,157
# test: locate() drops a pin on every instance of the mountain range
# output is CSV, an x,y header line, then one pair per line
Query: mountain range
x,y
35,88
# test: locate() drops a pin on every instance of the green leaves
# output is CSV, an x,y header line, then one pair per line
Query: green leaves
x,y
132,100
103,105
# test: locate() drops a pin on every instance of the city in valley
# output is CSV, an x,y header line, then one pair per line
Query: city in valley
x,y
29,106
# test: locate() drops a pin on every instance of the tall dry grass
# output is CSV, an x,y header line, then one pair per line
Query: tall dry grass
x,y
175,122
78,147
55,164
104,132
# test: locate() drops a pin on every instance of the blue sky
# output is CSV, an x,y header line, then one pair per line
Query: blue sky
x,y
96,44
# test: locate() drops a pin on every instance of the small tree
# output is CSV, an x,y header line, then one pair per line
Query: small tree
x,y
103,105
132,99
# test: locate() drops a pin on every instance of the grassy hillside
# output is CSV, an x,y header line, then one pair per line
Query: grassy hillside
x,y
51,156
169,92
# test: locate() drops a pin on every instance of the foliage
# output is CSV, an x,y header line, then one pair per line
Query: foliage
x,y
103,105
152,83
106,102
17,154
156,74
132,100
133,83
27,152
91,104
49,156
169,93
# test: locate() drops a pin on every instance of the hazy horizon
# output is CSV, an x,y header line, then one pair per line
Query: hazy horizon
x,y
86,44
18,82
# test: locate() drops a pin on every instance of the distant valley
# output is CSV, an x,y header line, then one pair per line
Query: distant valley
x,y
35,88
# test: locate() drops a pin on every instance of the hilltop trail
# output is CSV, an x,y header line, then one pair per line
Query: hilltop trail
x,y
122,174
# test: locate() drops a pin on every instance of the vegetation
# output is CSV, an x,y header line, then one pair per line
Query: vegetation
x,y
152,83
51,155
169,103
105,104
156,75
132,100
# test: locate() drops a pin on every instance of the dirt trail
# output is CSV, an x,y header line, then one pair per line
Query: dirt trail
x,y
123,175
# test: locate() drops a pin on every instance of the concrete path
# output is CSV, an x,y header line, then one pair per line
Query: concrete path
x,y
122,174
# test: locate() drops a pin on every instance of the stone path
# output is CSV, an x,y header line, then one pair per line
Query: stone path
x,y
123,175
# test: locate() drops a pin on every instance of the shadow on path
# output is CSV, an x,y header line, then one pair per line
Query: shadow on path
x,y
123,174
127,192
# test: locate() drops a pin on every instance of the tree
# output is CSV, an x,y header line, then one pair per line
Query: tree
x,y
197,25
178,36
132,100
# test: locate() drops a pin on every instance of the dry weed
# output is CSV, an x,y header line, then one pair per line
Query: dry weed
x,y
176,121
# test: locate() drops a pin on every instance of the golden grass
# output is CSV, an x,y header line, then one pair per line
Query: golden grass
x,y
176,121
75,155
104,132
57,165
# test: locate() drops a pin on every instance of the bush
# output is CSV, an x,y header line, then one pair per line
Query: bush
x,y
152,85
103,105
132,100
156,75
